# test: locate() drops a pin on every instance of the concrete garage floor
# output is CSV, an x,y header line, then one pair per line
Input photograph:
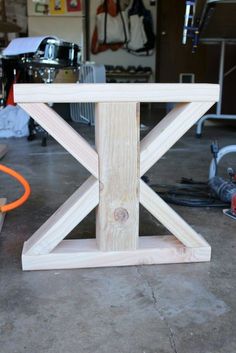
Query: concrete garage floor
x,y
145,309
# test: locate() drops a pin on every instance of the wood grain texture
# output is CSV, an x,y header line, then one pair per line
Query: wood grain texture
x,y
169,131
169,218
64,220
84,254
119,188
122,92
58,128
117,143
3,202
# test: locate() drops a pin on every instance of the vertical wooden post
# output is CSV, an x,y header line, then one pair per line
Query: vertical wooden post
x,y
117,142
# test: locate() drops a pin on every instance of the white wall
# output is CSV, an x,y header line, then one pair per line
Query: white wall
x,y
68,27
121,57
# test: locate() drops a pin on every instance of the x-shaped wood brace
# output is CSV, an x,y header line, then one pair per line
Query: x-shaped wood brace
x,y
116,187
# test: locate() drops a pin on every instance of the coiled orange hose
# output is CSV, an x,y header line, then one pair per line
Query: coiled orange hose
x,y
24,183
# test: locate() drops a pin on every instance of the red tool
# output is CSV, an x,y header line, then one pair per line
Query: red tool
x,y
231,212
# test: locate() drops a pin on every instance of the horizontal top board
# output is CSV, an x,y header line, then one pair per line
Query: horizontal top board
x,y
113,92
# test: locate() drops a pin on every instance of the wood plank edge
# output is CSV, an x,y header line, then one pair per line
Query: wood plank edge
x,y
3,202
68,255
99,92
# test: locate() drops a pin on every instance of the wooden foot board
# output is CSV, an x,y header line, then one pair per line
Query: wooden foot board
x,y
115,187
85,254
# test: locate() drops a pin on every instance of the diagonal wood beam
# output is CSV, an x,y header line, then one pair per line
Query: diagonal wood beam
x,y
169,131
65,219
58,128
169,218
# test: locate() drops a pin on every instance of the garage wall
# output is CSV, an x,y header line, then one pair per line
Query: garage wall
x,y
174,57
69,26
16,13
212,67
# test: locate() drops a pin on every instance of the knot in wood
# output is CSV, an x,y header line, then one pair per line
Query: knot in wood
x,y
121,215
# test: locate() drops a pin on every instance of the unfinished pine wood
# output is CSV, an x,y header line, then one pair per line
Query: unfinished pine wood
x,y
169,218
117,143
119,188
169,131
58,128
3,150
3,202
63,221
137,92
84,254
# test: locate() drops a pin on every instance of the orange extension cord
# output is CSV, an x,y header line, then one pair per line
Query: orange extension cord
x,y
24,183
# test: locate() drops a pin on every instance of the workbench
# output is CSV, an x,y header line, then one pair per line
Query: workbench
x,y
116,165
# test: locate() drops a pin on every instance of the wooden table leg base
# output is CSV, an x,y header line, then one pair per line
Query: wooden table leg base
x,y
116,166
85,254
